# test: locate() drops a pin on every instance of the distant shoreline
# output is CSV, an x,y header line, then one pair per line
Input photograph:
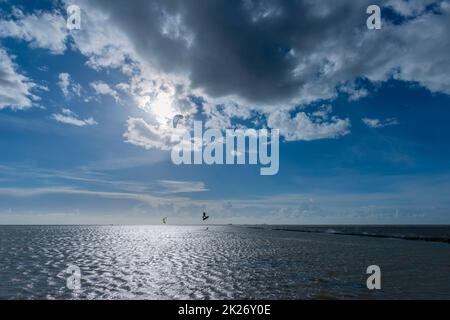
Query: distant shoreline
x,y
383,236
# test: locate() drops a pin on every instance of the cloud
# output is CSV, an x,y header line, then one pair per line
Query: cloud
x,y
172,186
147,135
30,192
15,88
69,117
84,177
254,60
68,86
410,8
101,41
309,127
377,123
103,88
125,87
354,93
42,30
259,44
427,202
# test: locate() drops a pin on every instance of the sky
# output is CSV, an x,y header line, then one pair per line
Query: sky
x,y
86,115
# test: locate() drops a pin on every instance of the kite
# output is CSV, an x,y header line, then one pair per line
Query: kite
x,y
176,119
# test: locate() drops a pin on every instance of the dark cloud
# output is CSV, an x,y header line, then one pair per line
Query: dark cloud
x,y
244,48
264,58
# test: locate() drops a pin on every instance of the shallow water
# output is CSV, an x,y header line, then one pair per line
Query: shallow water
x,y
223,262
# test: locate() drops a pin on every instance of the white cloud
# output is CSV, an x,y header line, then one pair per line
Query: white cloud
x,y
64,82
15,88
172,186
409,8
68,86
219,113
125,87
102,41
354,93
377,123
161,96
41,30
308,127
103,88
69,117
159,136
323,113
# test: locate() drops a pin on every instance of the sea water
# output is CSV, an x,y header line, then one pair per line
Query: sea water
x,y
223,262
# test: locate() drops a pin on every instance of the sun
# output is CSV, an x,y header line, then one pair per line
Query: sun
x,y
163,107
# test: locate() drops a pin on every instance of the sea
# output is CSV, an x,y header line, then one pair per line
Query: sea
x,y
223,262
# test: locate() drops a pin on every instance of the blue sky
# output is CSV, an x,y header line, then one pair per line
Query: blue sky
x,y
363,114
